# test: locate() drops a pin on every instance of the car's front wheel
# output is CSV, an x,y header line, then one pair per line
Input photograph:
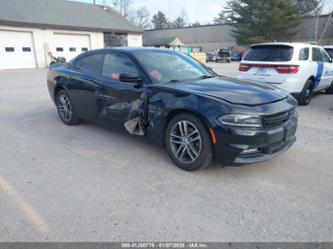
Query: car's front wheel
x,y
307,93
188,142
65,108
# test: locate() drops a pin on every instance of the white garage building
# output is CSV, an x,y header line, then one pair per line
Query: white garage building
x,y
30,29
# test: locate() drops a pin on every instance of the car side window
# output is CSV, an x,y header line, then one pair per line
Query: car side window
x,y
116,64
90,64
325,56
304,54
316,54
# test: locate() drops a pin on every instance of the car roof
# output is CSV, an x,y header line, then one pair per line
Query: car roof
x,y
128,50
131,49
291,44
330,47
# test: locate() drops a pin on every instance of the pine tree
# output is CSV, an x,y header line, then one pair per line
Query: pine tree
x,y
258,21
179,23
222,17
160,21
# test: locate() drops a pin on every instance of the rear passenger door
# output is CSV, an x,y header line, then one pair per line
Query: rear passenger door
x,y
83,82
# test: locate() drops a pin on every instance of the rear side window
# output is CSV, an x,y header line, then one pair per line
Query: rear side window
x,y
304,54
116,64
90,64
330,51
270,53
316,54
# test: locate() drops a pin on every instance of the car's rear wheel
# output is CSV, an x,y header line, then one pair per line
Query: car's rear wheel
x,y
65,108
188,142
330,89
306,95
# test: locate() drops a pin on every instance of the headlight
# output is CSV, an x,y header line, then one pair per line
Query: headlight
x,y
241,120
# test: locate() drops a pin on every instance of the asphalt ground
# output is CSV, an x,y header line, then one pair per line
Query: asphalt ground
x,y
89,183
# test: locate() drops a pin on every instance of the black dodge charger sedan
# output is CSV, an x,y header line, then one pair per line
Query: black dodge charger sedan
x,y
196,114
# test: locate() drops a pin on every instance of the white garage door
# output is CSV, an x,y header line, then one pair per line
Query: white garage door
x,y
16,50
69,46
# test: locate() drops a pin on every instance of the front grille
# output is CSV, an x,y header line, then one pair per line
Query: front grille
x,y
277,119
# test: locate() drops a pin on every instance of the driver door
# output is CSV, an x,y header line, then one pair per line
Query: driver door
x,y
117,100
328,68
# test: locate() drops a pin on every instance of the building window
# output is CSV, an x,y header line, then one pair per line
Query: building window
x,y
72,49
26,49
84,49
10,49
112,39
60,49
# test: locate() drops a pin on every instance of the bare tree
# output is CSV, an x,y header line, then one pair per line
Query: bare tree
x,y
181,21
122,6
184,15
141,18
327,24
316,19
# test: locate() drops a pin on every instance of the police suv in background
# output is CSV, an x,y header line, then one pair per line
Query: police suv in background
x,y
298,68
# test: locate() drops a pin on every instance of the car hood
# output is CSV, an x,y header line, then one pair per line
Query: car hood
x,y
232,90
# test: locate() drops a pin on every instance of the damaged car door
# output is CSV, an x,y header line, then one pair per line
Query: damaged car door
x,y
122,94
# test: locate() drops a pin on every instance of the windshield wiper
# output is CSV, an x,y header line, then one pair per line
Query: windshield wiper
x,y
207,76
174,81
201,77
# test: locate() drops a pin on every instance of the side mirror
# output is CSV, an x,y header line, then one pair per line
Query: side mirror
x,y
130,78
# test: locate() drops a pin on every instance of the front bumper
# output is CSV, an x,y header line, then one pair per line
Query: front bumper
x,y
251,145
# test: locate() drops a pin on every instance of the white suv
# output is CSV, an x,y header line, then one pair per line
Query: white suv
x,y
298,68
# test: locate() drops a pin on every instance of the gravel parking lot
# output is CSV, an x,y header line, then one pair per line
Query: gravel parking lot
x,y
88,183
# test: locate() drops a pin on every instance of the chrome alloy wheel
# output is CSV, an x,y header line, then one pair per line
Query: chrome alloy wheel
x,y
64,108
185,141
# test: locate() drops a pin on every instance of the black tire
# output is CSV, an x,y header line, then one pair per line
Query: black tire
x,y
65,108
330,89
190,149
306,95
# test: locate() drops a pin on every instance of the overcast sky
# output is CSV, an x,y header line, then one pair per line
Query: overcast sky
x,y
197,10
203,11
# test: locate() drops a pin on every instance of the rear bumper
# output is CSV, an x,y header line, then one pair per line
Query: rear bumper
x,y
290,83
244,146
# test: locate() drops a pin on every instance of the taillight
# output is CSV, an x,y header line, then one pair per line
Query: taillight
x,y
282,69
244,67
287,69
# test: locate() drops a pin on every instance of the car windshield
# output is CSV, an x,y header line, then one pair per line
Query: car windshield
x,y
169,66
330,52
269,53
